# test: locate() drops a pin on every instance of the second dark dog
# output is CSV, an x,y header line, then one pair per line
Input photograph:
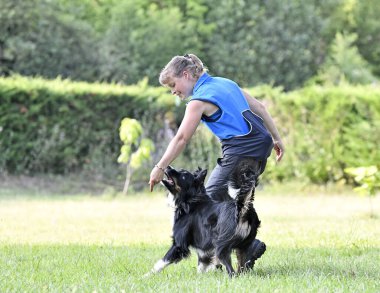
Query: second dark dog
x,y
213,228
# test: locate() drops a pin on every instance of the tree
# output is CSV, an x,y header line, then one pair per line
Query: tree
x,y
144,35
276,42
368,31
37,37
96,13
355,17
135,149
141,39
344,63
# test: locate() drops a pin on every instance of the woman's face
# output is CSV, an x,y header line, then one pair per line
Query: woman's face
x,y
182,86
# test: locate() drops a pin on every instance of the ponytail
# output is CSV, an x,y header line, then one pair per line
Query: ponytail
x,y
178,64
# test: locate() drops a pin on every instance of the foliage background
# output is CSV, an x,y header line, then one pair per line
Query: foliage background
x,y
73,69
62,127
282,43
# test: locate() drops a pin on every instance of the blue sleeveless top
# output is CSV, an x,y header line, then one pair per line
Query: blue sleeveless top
x,y
240,131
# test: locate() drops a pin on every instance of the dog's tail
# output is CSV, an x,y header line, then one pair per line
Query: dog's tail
x,y
246,194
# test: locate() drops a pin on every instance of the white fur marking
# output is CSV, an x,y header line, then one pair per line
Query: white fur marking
x,y
160,265
233,192
243,229
171,202
203,268
202,253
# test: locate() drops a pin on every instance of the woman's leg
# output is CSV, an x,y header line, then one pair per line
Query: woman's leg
x,y
216,186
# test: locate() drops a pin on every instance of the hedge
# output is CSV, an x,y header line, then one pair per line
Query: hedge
x,y
59,126
325,129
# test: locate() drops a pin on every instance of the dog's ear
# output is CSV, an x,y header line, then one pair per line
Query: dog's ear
x,y
201,176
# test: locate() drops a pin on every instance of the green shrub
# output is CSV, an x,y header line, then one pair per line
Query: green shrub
x,y
325,130
60,126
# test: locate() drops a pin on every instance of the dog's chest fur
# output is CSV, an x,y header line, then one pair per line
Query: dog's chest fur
x,y
243,229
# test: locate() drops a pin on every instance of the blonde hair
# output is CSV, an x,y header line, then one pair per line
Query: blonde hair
x,y
178,64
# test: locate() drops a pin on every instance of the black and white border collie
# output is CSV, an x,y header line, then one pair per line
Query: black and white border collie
x,y
213,228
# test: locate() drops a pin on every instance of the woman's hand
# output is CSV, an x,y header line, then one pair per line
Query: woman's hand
x,y
156,176
279,149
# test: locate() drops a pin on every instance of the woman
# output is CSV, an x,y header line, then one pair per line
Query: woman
x,y
242,123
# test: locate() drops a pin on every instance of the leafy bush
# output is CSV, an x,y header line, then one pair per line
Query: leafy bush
x,y
60,126
326,129
368,179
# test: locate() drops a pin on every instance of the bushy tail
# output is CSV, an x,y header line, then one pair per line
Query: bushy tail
x,y
246,194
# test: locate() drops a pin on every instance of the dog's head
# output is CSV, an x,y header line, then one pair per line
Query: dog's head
x,y
182,182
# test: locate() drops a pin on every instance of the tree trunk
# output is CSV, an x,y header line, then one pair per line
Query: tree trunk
x,y
127,179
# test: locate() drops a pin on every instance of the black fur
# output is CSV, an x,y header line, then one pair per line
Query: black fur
x,y
213,228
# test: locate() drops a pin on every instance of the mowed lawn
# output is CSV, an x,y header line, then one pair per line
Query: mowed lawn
x,y
317,242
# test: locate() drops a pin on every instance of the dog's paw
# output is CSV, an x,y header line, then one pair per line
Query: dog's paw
x,y
232,275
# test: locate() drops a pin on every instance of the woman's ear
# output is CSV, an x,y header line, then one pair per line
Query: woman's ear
x,y
186,74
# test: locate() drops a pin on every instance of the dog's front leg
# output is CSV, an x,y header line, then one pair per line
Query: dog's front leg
x,y
160,265
226,260
224,255
174,255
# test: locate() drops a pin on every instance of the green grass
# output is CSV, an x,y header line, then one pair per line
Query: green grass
x,y
316,243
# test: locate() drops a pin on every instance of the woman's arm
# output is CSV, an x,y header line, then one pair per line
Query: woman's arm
x,y
193,114
259,109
